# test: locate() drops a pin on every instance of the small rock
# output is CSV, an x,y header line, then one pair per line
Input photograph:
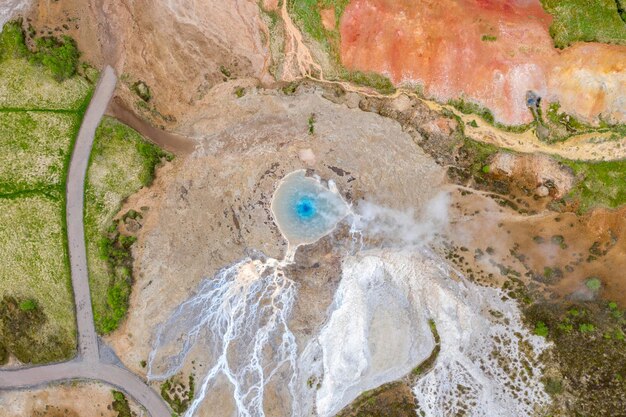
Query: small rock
x,y
401,103
542,191
352,100
132,225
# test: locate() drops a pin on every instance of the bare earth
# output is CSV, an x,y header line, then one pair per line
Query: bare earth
x,y
77,399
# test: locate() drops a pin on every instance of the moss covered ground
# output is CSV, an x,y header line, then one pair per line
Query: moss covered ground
x,y
599,184
590,349
40,114
586,21
121,163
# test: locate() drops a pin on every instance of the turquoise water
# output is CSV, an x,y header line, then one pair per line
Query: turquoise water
x,y
305,210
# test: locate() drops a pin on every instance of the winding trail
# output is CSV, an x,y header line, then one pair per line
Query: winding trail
x,y
89,364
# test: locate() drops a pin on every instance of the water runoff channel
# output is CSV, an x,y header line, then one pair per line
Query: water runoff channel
x,y
241,314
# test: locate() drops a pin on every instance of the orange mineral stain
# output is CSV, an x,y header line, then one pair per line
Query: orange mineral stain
x,y
489,51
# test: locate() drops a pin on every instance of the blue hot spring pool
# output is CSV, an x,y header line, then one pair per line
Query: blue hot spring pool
x,y
305,210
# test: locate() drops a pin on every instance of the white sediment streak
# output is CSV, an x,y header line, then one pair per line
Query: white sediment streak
x,y
241,315
10,9
379,331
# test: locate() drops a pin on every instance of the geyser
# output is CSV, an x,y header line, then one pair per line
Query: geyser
x,y
305,210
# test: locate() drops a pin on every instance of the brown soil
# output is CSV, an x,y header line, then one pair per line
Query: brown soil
x,y
553,251
79,399
328,18
489,51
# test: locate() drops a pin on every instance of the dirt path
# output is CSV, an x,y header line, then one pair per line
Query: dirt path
x,y
88,364
176,144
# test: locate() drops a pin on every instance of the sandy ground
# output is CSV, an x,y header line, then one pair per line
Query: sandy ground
x,y
79,399
441,45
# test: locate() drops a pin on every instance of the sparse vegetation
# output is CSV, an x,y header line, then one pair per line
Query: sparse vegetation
x,y
394,399
588,350
311,123
488,38
120,404
121,163
240,92
427,364
587,21
177,395
25,333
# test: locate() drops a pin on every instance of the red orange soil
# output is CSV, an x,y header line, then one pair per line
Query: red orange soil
x,y
328,18
491,51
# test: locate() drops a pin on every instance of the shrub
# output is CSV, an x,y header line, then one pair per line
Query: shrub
x,y
593,283
60,56
541,329
12,43
28,305
120,404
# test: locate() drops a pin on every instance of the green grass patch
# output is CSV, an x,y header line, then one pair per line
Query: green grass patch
x,y
593,283
541,329
469,107
35,147
586,21
35,271
58,55
369,79
306,14
121,163
478,154
599,184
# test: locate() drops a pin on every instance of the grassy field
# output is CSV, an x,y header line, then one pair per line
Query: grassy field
x,y
121,163
41,105
35,149
586,21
